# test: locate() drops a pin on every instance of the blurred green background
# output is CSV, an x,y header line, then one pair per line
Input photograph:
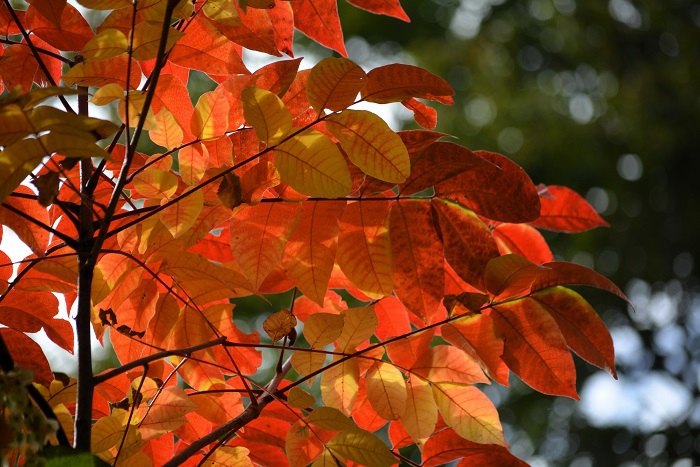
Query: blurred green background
x,y
603,97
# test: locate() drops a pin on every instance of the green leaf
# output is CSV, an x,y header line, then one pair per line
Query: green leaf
x,y
62,456
362,447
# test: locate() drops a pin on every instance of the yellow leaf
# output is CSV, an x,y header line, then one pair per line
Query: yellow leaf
x,y
448,364
279,324
300,399
107,93
386,390
268,115
371,145
222,11
306,363
334,84
101,72
106,433
312,164
218,408
420,417
136,100
20,158
14,123
210,117
108,43
193,160
469,412
339,385
328,418
168,132
47,118
179,217
321,329
230,456
327,459
361,447
359,325
156,183
147,39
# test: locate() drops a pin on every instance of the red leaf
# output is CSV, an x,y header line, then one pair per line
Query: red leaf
x,y
255,32
438,163
71,33
564,210
501,191
469,244
447,446
523,240
35,237
31,311
27,354
561,273
277,76
319,20
419,275
534,348
393,318
382,7
584,331
282,18
18,67
425,116
396,83
509,275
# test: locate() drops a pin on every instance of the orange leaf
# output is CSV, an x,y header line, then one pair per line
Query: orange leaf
x,y
309,255
509,275
564,210
425,116
280,324
476,335
469,245
419,272
584,331
180,216
277,76
371,145
204,48
364,247
523,240
334,84
99,73
210,118
534,348
382,7
397,83
69,33
166,413
194,160
255,31
469,412
36,238
168,133
447,364
258,236
561,273
319,20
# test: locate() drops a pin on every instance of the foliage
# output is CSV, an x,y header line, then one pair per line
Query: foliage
x,y
269,182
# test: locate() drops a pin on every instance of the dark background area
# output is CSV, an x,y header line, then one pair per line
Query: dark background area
x,y
603,97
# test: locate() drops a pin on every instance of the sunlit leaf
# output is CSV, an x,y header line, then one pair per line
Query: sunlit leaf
x,y
334,84
268,115
362,447
180,216
339,385
386,390
371,145
312,164
107,44
321,329
210,118
397,83
421,415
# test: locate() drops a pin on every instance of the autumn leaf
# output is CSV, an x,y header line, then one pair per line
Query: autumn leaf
x,y
334,84
279,324
386,390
